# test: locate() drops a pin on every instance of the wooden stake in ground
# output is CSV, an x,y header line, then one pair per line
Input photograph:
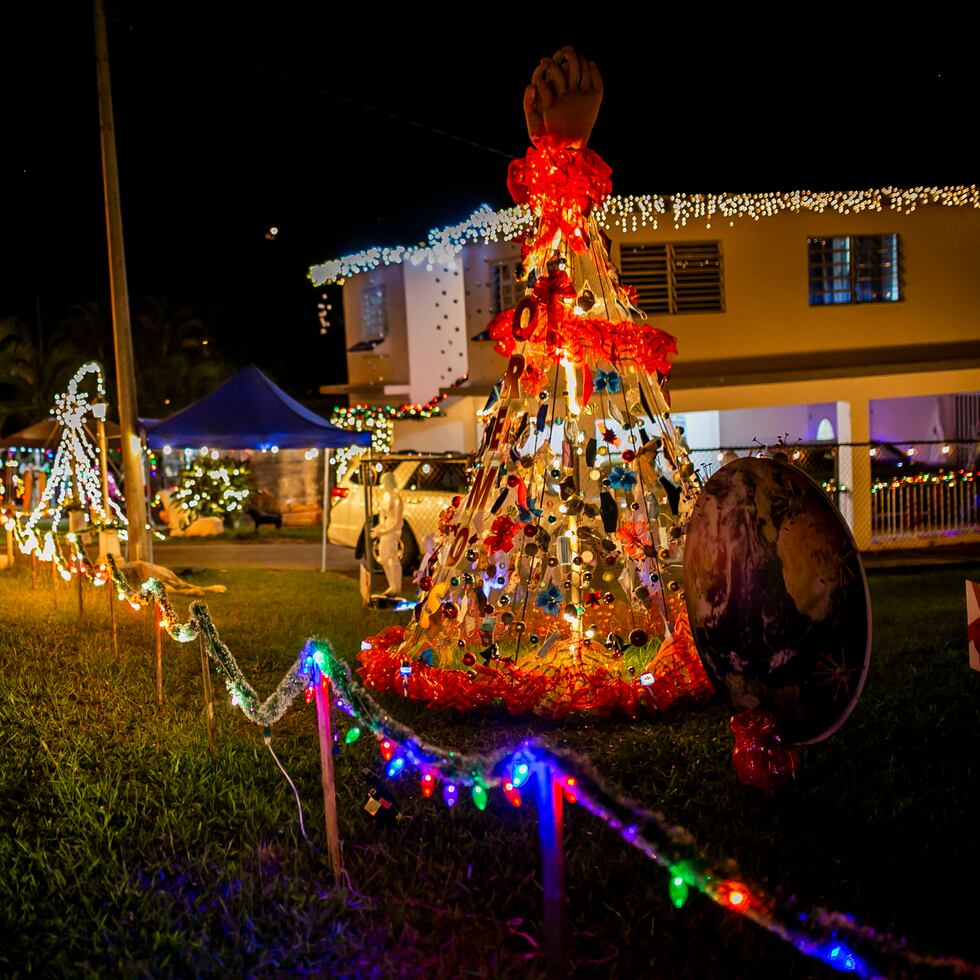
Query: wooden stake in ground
x,y
208,701
81,597
54,582
322,691
552,869
157,630
111,592
33,571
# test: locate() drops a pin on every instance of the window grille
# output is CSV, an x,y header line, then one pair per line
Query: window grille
x,y
374,314
854,269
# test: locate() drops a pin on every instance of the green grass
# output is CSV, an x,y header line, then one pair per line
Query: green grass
x,y
125,850
266,533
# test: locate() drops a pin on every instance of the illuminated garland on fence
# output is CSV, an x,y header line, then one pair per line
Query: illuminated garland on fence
x,y
632,212
948,480
832,937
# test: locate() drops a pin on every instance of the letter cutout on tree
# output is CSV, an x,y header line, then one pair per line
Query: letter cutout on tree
x,y
558,573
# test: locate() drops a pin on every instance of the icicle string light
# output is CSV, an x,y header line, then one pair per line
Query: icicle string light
x,y
632,212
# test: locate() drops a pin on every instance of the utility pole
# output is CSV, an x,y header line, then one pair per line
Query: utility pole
x,y
136,514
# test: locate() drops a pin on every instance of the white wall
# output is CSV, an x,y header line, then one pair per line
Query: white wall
x,y
792,423
435,305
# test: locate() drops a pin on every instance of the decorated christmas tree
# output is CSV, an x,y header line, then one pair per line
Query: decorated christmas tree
x,y
555,584
212,487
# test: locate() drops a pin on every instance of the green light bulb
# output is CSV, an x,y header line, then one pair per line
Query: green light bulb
x,y
677,889
353,734
480,797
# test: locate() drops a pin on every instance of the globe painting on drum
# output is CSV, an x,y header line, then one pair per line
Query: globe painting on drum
x,y
777,598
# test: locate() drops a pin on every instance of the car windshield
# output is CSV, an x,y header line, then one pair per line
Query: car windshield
x,y
440,476
374,471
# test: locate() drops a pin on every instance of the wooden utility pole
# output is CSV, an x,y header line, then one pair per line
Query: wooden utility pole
x,y
136,515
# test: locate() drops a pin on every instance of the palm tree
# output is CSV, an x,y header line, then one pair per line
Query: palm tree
x,y
29,380
174,356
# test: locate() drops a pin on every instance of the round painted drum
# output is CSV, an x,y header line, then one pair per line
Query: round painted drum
x,y
777,597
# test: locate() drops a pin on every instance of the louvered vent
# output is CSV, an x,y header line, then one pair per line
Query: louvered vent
x,y
675,277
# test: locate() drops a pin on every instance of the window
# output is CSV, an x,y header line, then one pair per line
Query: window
x,y
442,477
854,269
506,290
374,314
676,277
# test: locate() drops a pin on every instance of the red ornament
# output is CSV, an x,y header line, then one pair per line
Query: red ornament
x,y
502,531
759,757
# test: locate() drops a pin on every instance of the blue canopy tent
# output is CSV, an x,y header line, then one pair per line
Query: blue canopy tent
x,y
249,412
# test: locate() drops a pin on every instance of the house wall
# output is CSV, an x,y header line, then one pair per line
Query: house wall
x,y
486,365
767,309
388,363
436,320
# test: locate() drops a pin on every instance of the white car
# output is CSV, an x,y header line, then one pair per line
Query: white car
x,y
427,485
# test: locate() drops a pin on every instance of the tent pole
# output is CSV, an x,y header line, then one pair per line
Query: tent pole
x,y
325,518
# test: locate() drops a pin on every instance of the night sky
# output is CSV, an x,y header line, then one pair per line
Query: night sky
x,y
351,129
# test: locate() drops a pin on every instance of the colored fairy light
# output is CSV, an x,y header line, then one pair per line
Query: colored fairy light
x,y
387,749
512,794
520,773
677,889
450,794
353,734
395,766
428,784
568,788
479,794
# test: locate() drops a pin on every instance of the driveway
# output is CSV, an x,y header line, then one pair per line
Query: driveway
x,y
233,554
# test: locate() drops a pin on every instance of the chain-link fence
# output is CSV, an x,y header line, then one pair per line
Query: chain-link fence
x,y
894,494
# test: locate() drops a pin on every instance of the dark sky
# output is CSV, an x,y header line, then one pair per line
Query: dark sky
x,y
329,126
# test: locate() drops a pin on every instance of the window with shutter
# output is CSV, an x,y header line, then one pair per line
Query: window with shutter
x,y
675,277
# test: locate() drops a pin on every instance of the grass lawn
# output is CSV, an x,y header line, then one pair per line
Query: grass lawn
x,y
125,850
264,534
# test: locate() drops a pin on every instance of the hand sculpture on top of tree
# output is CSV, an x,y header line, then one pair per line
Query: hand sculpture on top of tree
x,y
563,99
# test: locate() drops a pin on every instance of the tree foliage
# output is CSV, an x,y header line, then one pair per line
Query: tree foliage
x,y
176,362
